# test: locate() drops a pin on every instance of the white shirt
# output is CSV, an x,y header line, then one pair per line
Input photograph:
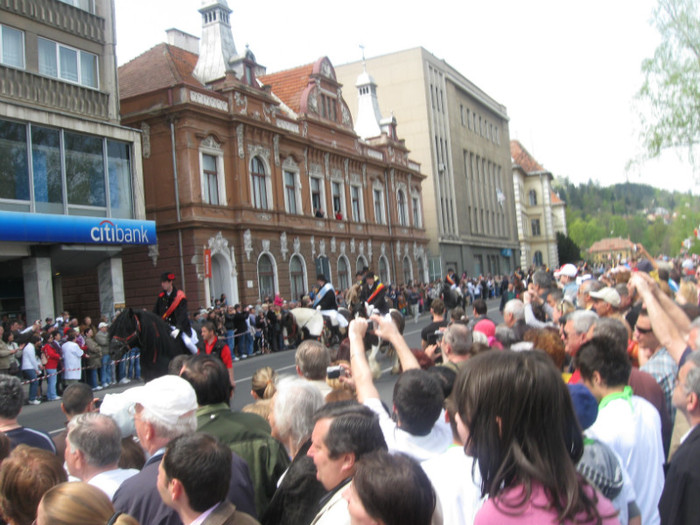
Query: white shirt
x,y
204,515
459,492
29,361
110,480
72,355
335,511
632,428
419,448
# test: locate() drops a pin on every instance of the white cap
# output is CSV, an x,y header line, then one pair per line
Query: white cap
x,y
607,294
102,325
568,269
167,398
117,407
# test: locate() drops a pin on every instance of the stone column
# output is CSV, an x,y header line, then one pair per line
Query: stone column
x,y
111,284
38,288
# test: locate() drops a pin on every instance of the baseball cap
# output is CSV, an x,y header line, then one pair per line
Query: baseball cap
x,y
585,405
102,325
166,398
607,294
567,269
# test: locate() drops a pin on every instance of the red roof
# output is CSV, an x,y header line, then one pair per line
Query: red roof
x,y
555,198
611,245
160,67
289,85
522,158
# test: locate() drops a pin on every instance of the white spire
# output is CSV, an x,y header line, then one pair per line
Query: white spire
x,y
368,114
217,51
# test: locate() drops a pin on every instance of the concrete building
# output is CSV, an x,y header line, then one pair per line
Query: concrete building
x,y
258,182
541,214
460,136
71,186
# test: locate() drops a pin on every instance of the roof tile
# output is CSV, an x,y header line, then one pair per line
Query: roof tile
x,y
289,85
522,158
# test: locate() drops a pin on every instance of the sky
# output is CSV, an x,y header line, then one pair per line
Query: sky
x,y
567,72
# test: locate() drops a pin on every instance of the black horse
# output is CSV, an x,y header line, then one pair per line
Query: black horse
x,y
148,332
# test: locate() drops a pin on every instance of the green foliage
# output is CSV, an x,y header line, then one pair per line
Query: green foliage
x,y
671,87
569,252
629,211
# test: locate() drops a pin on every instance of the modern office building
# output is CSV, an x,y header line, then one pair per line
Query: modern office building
x,y
71,186
258,182
541,214
459,135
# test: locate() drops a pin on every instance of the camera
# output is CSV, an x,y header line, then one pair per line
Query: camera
x,y
333,372
438,335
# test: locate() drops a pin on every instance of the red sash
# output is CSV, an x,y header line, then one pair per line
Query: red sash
x,y
179,296
379,288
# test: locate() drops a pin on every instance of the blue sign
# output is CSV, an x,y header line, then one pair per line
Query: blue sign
x,y
43,227
507,252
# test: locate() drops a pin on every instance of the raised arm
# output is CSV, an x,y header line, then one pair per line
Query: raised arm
x,y
662,323
387,330
361,374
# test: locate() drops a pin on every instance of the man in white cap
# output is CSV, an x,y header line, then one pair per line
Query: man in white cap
x,y
165,409
605,301
566,275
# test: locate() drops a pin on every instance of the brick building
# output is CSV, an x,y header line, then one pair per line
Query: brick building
x,y
257,182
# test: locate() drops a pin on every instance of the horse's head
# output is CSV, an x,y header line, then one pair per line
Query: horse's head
x,y
123,334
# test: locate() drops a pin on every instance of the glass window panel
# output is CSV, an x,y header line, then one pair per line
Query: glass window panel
x,y
383,270
119,170
343,275
266,277
14,170
12,47
69,63
84,170
290,191
46,165
88,69
48,63
296,273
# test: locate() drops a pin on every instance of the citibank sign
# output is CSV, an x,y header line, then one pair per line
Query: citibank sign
x,y
42,227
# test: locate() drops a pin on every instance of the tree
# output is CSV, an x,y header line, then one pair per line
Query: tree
x,y
569,252
672,79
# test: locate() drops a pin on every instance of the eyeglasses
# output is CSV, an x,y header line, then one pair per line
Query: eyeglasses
x,y
643,330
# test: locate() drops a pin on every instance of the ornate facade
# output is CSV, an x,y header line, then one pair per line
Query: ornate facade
x,y
259,182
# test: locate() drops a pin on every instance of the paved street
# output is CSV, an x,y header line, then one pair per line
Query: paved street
x,y
49,418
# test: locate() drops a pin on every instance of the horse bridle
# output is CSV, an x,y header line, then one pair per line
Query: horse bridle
x,y
125,340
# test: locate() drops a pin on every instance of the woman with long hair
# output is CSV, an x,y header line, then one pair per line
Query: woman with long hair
x,y
516,418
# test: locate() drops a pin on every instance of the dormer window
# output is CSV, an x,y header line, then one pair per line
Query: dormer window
x,y
328,108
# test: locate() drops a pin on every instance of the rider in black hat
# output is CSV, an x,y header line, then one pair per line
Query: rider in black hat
x,y
171,306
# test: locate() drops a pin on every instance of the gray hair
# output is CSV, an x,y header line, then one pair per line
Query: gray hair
x,y
612,328
505,335
97,436
582,320
296,402
692,380
457,336
11,396
542,279
515,307
186,424
312,357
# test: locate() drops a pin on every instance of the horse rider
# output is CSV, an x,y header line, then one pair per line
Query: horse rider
x,y
373,293
325,297
171,306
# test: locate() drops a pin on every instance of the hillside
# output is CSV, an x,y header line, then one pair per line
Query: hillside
x,y
658,219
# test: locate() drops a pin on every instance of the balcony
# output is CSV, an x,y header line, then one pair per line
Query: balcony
x,y
23,86
62,16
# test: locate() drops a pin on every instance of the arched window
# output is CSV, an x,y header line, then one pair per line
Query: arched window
x,y
361,263
533,198
266,276
402,208
419,266
343,273
407,270
259,183
537,259
383,270
296,277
